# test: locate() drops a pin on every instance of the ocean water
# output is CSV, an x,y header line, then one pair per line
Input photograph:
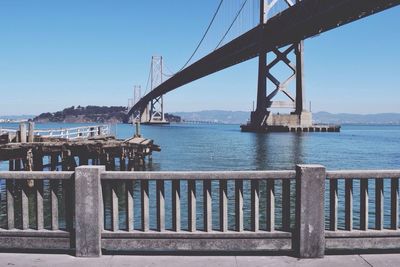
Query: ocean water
x,y
224,147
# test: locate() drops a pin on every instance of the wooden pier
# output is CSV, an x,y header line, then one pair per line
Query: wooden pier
x,y
65,149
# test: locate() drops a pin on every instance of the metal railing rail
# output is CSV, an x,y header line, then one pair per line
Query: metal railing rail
x,y
75,133
5,130
65,133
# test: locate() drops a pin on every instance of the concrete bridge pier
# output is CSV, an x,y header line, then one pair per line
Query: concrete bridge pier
x,y
262,119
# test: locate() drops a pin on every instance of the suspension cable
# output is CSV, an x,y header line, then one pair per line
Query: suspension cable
x,y
148,81
230,27
204,35
169,74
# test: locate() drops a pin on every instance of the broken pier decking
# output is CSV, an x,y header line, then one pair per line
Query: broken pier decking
x,y
100,148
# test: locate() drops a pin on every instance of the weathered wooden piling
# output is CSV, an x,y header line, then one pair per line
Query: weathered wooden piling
x,y
87,146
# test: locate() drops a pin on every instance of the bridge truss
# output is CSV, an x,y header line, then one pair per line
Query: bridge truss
x,y
265,100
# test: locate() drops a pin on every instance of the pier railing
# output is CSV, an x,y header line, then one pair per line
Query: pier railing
x,y
27,133
75,133
5,130
91,210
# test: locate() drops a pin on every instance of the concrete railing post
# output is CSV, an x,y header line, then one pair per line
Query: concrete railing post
x,y
309,235
88,211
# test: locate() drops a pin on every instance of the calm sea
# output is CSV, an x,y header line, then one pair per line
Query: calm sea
x,y
224,147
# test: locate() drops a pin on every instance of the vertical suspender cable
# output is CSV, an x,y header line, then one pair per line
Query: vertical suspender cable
x,y
230,27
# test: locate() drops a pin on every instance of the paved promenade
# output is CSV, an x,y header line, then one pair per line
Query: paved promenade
x,y
8,259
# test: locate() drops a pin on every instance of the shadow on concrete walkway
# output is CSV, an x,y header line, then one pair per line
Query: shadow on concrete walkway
x,y
19,259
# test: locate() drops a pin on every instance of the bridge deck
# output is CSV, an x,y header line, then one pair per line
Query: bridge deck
x,y
303,20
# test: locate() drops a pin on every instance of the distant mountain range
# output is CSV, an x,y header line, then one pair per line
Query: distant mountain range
x,y
346,118
223,116
17,117
238,117
216,116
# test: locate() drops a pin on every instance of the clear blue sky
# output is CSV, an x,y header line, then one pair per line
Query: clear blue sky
x,y
55,54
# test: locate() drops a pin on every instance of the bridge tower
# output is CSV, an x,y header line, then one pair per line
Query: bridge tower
x,y
262,119
137,94
154,113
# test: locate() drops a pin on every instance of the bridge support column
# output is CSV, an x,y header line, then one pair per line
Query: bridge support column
x,y
145,117
262,119
260,114
299,51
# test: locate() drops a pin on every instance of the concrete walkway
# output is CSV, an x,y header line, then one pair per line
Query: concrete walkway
x,y
11,259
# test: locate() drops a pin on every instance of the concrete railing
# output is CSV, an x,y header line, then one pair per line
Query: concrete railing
x,y
196,211
373,230
24,227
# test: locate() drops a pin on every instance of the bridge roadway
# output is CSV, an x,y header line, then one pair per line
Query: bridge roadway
x,y
305,19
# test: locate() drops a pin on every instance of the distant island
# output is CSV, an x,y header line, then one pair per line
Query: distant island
x,y
89,114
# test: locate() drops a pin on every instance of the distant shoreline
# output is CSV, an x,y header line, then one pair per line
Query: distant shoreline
x,y
96,114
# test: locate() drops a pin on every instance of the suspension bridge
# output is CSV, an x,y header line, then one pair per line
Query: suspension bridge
x,y
257,28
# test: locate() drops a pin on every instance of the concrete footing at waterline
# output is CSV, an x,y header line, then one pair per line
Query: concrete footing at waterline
x,y
291,129
155,123
287,123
